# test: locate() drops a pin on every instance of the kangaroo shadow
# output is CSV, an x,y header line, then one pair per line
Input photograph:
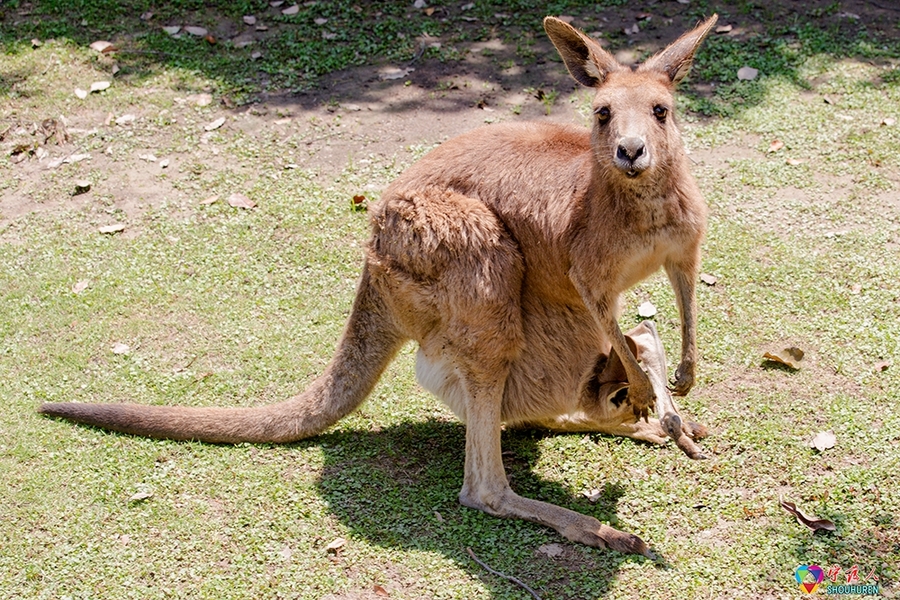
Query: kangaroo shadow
x,y
398,488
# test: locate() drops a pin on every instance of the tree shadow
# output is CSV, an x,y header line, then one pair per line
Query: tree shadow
x,y
398,488
332,50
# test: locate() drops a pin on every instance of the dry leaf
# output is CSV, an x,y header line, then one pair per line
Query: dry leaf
x,y
429,11
888,121
291,10
256,55
592,495
200,99
80,286
209,200
276,3
380,591
164,163
320,21
420,4
215,124
99,86
684,1
855,288
828,100
634,29
76,158
120,348
210,39
138,497
647,310
390,73
285,553
125,119
438,517
724,29
776,145
82,94
823,441
172,29
708,279
792,357
147,157
882,365
36,43
146,16
82,186
249,19
795,161
115,228
811,522
747,73
102,47
240,201
198,31
336,545
551,550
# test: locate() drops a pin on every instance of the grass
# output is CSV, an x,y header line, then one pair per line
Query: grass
x,y
221,306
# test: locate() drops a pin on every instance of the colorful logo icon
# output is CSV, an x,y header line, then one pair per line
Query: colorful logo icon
x,y
809,577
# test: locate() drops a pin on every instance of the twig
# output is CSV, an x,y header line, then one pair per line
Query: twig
x,y
499,574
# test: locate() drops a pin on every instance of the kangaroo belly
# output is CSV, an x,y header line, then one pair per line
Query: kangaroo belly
x,y
545,381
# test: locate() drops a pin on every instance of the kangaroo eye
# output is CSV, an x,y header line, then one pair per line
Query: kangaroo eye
x,y
660,112
603,114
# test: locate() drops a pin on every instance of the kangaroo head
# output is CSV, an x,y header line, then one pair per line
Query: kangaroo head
x,y
633,132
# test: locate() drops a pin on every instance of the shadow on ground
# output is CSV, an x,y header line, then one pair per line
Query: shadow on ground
x,y
385,485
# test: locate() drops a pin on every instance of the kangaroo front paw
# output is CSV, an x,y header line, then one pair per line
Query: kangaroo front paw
x,y
641,399
684,378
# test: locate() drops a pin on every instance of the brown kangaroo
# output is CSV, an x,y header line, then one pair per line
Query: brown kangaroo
x,y
503,253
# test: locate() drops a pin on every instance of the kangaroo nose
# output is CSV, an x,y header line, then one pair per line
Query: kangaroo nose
x,y
630,148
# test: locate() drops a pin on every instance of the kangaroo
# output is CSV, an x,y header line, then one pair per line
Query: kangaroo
x,y
503,254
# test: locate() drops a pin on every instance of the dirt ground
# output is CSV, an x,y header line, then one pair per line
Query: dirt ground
x,y
366,113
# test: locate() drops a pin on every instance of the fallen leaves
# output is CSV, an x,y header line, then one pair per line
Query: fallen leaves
x,y
291,10
812,522
747,73
551,550
215,124
775,146
709,279
380,591
593,495
120,348
359,204
102,47
647,310
823,441
141,495
724,29
335,546
390,73
80,286
237,200
110,229
791,356
82,186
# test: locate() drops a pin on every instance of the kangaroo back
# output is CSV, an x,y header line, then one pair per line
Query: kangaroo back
x,y
367,346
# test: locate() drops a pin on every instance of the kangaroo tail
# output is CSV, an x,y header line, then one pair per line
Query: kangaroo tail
x,y
369,342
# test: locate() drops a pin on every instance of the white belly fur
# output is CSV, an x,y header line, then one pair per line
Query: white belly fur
x,y
440,378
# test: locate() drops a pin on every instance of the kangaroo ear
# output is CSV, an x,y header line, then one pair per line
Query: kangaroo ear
x,y
588,63
675,61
